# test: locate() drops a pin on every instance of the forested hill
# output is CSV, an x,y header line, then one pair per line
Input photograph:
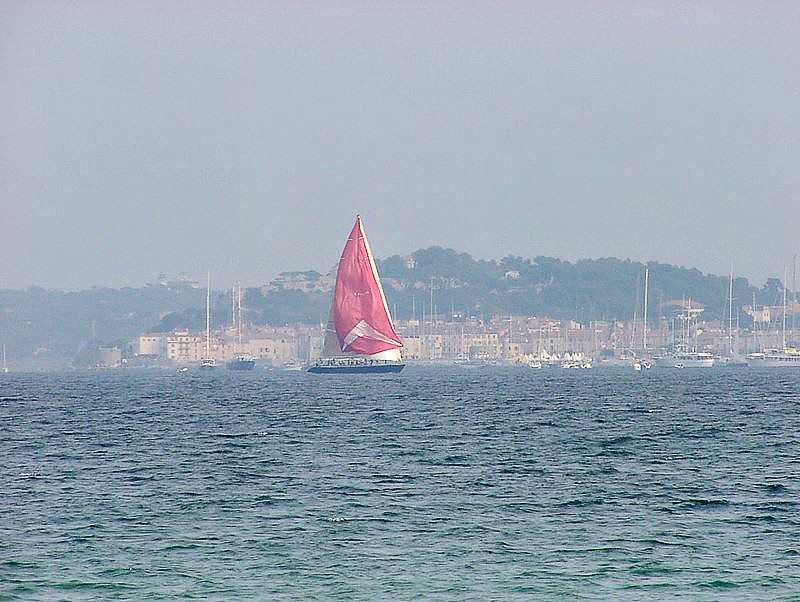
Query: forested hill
x,y
46,323
590,289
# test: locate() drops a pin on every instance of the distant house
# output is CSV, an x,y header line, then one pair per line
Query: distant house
x,y
180,281
307,282
109,357
153,345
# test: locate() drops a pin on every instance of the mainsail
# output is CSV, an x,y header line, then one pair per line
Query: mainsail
x,y
360,324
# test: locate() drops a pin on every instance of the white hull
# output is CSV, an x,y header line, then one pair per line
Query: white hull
x,y
688,360
775,359
693,364
774,363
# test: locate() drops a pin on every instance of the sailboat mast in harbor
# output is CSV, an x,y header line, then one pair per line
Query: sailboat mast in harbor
x,y
207,361
644,321
241,361
783,336
730,313
786,356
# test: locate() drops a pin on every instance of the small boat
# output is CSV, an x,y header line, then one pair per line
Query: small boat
x,y
182,369
360,337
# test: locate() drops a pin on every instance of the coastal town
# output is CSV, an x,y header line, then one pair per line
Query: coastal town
x,y
456,338
451,339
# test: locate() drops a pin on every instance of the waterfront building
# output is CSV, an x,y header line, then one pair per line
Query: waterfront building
x,y
187,347
152,345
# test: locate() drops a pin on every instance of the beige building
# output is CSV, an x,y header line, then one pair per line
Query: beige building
x,y
110,357
412,347
187,347
482,345
276,350
152,344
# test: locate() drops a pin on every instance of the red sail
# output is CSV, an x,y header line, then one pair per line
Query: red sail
x,y
360,315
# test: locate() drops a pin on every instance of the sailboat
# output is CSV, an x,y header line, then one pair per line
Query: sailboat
x,y
359,337
241,361
786,357
733,359
684,356
207,362
646,362
5,364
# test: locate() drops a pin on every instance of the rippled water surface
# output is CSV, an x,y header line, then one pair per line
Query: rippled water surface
x,y
443,484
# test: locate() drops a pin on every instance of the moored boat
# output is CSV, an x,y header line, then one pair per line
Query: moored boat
x,y
786,357
242,361
689,359
775,358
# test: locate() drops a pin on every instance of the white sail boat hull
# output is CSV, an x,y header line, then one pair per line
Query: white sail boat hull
x,y
355,365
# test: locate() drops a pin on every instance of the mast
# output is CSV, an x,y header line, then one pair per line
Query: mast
x,y
783,346
635,316
233,306
730,312
688,324
239,321
794,294
644,324
433,313
423,349
208,316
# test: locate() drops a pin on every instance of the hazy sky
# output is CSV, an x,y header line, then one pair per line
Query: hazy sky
x,y
243,137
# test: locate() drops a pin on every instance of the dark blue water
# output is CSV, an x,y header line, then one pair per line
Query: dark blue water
x,y
443,484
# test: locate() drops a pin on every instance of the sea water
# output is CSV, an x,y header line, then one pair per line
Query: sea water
x,y
443,484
